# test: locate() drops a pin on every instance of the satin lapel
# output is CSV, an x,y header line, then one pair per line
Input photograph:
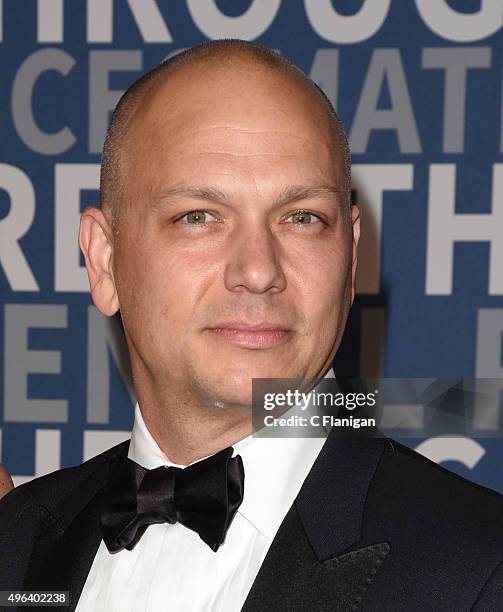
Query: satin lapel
x,y
314,562
292,578
62,558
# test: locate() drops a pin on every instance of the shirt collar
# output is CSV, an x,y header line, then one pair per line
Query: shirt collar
x,y
275,469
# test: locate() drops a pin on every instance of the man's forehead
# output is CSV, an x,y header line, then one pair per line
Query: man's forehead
x,y
221,131
223,147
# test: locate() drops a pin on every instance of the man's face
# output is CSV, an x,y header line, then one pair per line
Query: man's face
x,y
211,242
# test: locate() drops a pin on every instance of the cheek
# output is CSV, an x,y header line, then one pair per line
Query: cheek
x,y
325,299
171,284
322,270
322,287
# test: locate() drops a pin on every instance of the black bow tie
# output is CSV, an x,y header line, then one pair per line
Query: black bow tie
x,y
203,496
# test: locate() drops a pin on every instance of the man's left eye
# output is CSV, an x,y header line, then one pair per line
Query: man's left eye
x,y
196,217
302,217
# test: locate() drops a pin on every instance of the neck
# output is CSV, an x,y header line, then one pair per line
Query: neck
x,y
186,429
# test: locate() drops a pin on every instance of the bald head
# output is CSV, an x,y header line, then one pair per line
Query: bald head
x,y
196,64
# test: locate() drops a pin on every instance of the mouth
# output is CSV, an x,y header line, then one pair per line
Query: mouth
x,y
252,336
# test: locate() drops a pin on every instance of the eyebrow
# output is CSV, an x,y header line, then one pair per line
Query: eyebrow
x,y
290,194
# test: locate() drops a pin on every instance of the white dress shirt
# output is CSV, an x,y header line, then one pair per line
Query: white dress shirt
x,y
171,568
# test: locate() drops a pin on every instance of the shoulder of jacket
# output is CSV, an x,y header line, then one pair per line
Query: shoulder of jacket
x,y
429,490
50,489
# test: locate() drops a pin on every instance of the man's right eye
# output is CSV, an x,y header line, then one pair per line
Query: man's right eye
x,y
196,217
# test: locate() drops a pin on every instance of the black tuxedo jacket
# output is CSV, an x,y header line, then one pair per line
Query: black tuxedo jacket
x,y
375,526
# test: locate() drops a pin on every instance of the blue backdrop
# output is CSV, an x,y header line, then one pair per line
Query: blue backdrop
x,y
419,87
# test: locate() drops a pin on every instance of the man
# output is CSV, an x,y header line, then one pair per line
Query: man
x,y
227,240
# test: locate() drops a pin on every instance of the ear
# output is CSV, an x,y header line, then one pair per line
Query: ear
x,y
355,221
96,242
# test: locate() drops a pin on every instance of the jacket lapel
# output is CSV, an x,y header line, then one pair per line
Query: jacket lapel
x,y
317,560
68,538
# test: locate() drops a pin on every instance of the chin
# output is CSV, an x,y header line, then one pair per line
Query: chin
x,y
227,393
231,386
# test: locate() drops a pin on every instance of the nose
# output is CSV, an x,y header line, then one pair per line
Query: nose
x,y
253,262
